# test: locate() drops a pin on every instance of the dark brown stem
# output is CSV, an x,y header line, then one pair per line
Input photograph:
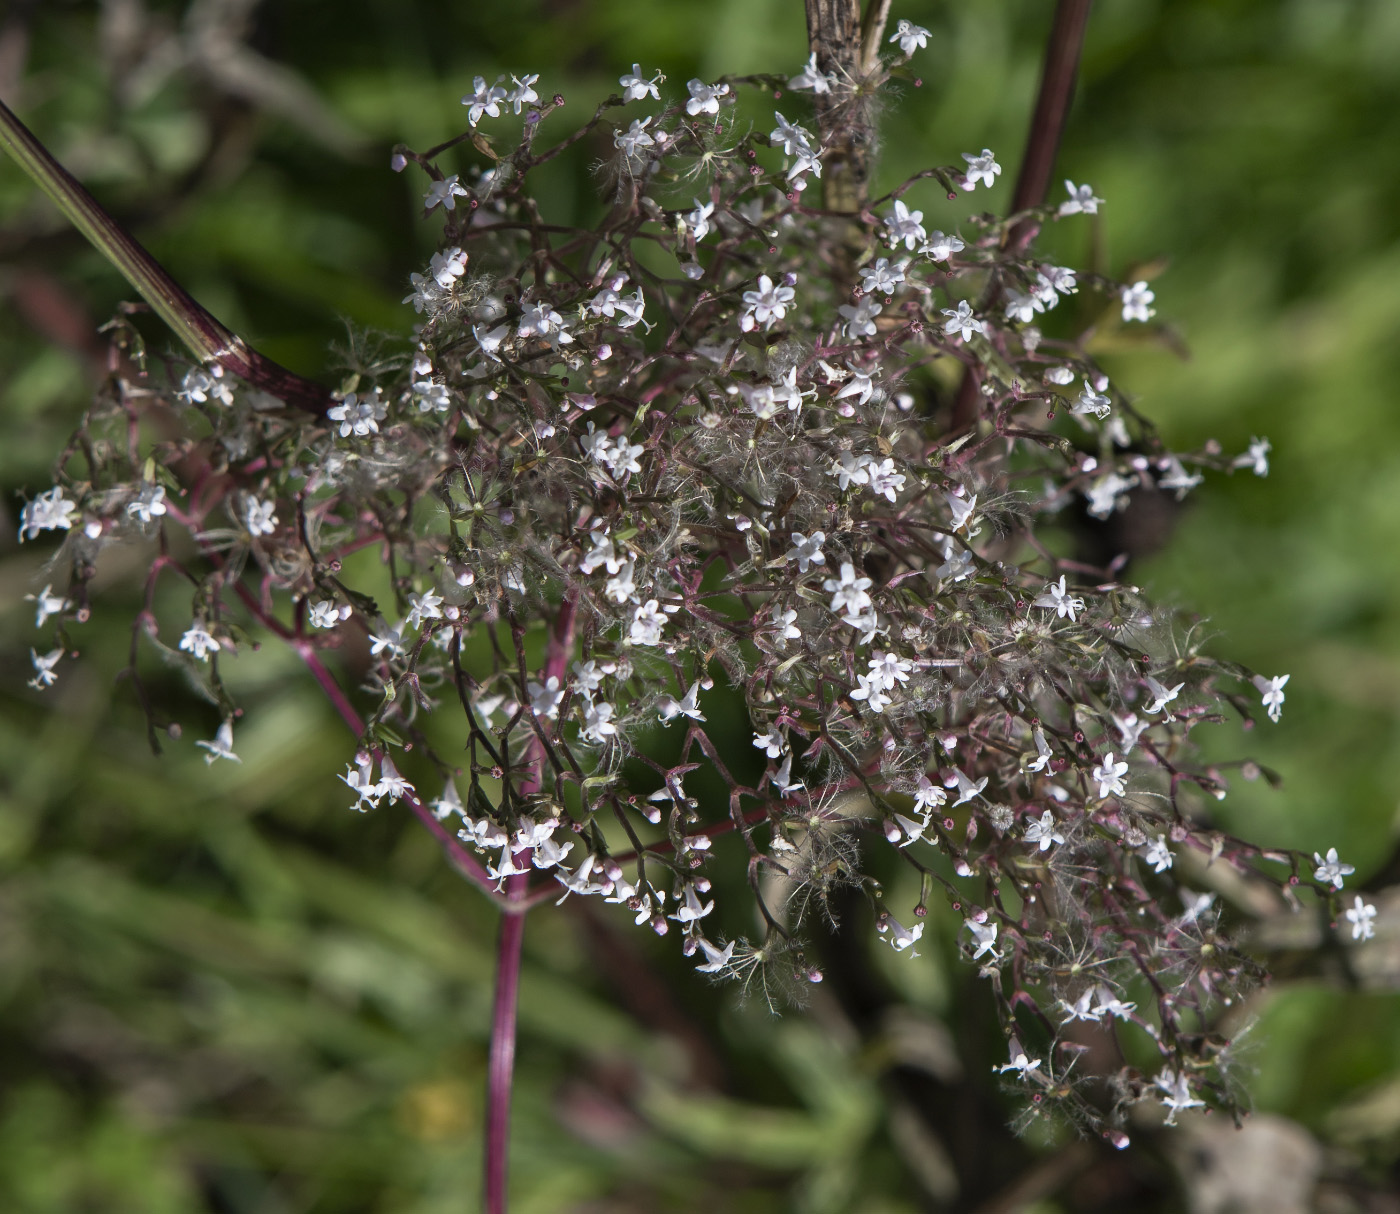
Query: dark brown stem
x,y
843,114
208,339
1052,103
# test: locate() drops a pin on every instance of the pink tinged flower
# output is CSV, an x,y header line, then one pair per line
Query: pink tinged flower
x,y
1109,775
444,193
982,168
222,745
200,643
928,796
48,512
1330,870
1362,917
44,664
635,86
1135,301
905,226
1044,832
704,98
691,910
1059,600
447,267
1081,201
688,705
910,37
1271,690
967,790
962,321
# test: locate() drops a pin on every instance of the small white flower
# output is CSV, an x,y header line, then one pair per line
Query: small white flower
x,y
647,622
848,593
634,138
810,78
967,790
1362,916
704,98
872,692
622,585
149,504
984,936
389,641
1059,600
448,804
983,167
1176,1094
523,93
358,414
716,959
770,742
850,469
782,778
882,277
259,517
910,37
1331,870
1106,1003
483,100
691,910
1257,457
44,668
199,643
905,225
47,512
1161,696
901,937
326,614
785,622
1081,201
391,784
1093,402
698,220
1020,1062
688,705
545,697
883,479
1135,301
587,677
1023,307
789,137
806,550
961,320
424,607
1272,692
360,780
928,796
635,86
939,247
1042,751
1107,493
1080,1009
598,724
1158,854
444,193
962,509
1109,775
765,305
1044,831
46,603
859,319
222,745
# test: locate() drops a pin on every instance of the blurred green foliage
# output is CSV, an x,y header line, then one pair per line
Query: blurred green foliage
x,y
218,991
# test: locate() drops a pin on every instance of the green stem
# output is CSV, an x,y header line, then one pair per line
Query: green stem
x,y
207,339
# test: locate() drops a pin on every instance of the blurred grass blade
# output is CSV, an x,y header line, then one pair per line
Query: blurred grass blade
x,y
207,339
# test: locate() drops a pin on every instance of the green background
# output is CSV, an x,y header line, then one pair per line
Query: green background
x,y
220,991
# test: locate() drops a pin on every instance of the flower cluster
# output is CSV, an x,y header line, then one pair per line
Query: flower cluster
x,y
713,442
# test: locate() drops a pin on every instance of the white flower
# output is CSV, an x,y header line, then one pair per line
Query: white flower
x,y
1257,457
222,745
688,705
1176,1094
200,643
849,592
1042,751
47,512
984,167
444,193
1161,696
1054,281
149,504
597,722
1107,1003
447,266
46,603
1178,478
910,37
810,78
789,137
1081,200
961,507
43,668
539,319
967,790
1059,600
889,669
928,796
850,469
1093,402
358,414
634,138
424,607
545,697
390,641
1023,307
360,779
622,585
939,247
1044,831
587,677
861,385
698,220
1109,775
432,397
782,778
883,479
1107,493
647,622
1272,692
1019,1063
958,564
1080,1009
1158,854
1130,728
601,554
872,692
806,550
882,277
1331,870
482,100
635,86
259,517
901,937
326,614
391,784
961,320
490,340
523,93
691,910
1361,917
1194,906
765,305
860,317
785,622
715,958
984,936
905,225
704,98
448,804
1135,301
770,742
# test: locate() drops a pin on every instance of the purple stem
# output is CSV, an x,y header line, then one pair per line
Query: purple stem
x,y
500,1075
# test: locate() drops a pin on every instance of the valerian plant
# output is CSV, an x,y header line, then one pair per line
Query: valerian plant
x,y
814,450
